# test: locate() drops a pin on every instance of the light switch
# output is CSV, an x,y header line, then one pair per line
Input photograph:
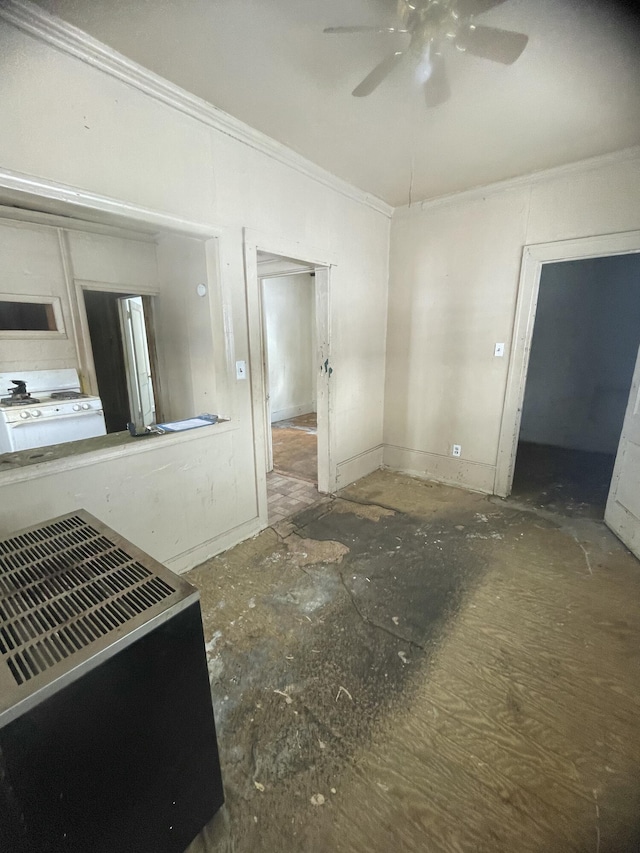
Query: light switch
x,y
241,369
499,351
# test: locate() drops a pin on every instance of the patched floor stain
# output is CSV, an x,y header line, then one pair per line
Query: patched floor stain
x,y
308,552
375,513
414,667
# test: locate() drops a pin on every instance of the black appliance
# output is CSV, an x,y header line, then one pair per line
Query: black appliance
x,y
107,737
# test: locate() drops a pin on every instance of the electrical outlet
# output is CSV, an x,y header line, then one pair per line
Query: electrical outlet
x,y
457,450
241,369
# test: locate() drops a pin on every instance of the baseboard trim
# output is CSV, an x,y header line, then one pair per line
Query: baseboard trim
x,y
358,466
475,476
191,558
293,412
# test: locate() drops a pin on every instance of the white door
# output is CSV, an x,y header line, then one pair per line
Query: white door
x,y
136,352
623,505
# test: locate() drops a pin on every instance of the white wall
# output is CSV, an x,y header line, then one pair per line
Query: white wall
x,y
288,304
585,344
455,267
190,332
67,121
104,259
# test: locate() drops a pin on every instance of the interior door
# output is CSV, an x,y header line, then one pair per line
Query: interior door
x,y
138,363
622,514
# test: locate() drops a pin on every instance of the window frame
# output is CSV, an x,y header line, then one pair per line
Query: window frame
x,y
36,334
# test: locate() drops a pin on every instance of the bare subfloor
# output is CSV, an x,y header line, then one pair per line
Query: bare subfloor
x,y
415,668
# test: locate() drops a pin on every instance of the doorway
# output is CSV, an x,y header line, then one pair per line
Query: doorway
x,y
583,352
117,324
288,307
291,372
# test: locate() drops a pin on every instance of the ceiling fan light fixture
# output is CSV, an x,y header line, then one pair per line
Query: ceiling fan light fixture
x,y
431,24
425,67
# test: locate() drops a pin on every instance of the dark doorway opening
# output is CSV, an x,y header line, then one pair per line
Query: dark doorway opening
x,y
123,357
584,347
105,331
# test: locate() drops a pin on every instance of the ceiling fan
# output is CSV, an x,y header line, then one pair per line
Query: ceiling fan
x,y
430,24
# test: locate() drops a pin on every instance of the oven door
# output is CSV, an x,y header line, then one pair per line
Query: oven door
x,y
26,434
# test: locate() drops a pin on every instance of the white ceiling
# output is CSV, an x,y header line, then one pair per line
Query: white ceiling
x,y
573,94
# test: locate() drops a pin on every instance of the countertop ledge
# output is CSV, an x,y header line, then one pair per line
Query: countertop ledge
x,y
43,461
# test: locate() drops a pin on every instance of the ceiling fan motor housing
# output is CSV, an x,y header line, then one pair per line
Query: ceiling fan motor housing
x,y
429,20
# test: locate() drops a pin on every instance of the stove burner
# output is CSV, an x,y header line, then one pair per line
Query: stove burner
x,y
19,395
67,395
20,390
18,400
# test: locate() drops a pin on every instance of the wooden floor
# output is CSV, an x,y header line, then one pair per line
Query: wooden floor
x,y
421,669
295,447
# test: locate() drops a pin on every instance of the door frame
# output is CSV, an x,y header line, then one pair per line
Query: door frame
x,y
83,338
255,242
265,375
533,258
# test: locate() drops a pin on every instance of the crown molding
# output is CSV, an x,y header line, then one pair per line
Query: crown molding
x,y
528,180
53,31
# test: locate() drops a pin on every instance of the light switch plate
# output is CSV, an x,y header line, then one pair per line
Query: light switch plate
x,y
241,369
499,351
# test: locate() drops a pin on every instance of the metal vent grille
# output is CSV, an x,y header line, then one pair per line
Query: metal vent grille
x,y
63,587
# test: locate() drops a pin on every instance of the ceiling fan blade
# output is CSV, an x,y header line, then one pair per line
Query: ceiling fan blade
x,y
334,30
466,8
436,88
382,70
490,43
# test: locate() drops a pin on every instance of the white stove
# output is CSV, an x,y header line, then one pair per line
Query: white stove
x,y
43,407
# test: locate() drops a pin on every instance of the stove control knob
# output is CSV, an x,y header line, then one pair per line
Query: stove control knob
x,y
76,408
86,406
25,414
36,413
